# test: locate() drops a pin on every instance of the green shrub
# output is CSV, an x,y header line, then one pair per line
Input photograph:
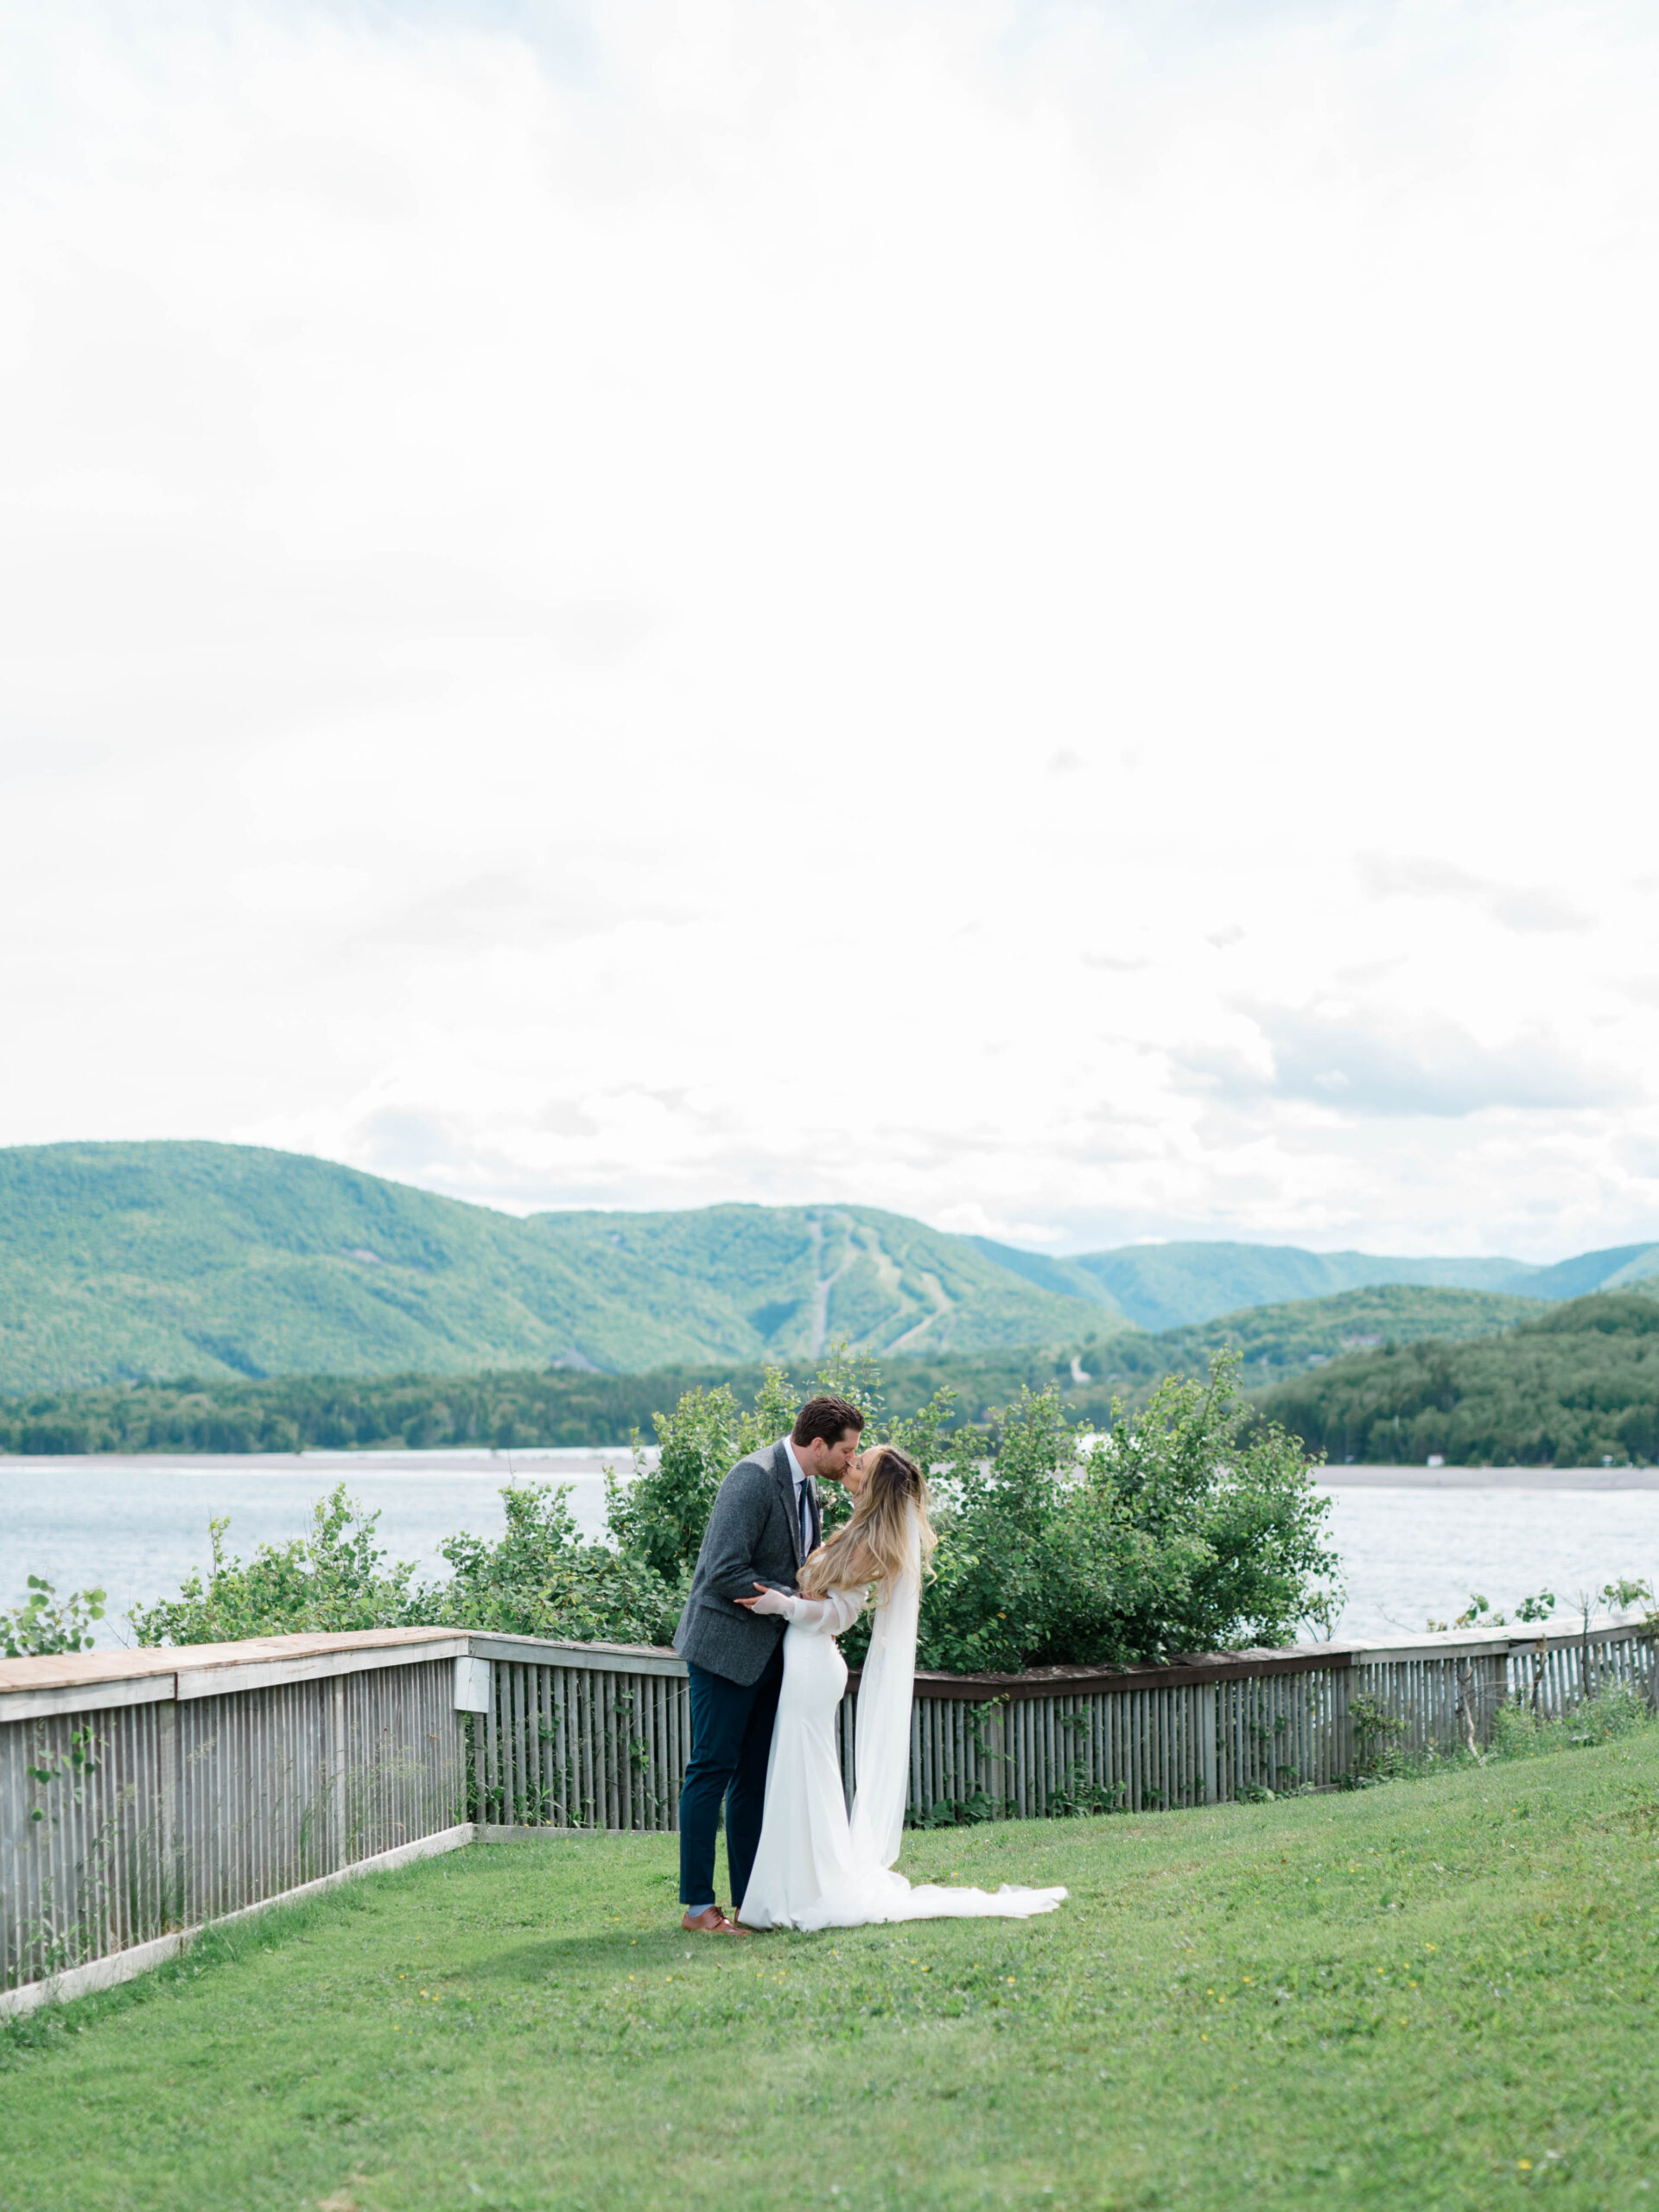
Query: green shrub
x,y
332,1579
542,1578
44,1624
1190,1527
1617,1710
660,1518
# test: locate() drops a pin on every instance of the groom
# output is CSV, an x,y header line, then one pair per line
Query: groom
x,y
765,1520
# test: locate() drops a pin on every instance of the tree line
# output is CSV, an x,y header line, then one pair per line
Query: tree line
x,y
1575,1386
499,1408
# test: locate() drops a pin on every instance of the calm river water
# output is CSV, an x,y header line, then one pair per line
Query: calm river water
x,y
1415,1543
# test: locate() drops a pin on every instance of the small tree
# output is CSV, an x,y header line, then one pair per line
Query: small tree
x,y
659,1518
1186,1530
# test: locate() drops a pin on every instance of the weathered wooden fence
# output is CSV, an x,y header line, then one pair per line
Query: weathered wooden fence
x,y
144,1793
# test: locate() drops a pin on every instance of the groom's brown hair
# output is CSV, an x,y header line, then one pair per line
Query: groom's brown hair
x,y
827,1419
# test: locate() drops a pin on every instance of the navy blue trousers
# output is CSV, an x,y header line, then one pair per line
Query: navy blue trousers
x,y
731,1742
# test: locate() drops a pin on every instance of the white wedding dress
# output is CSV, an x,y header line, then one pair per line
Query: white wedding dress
x,y
816,1868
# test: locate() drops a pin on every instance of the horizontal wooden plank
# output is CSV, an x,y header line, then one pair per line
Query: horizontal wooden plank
x,y
94,1697
312,1667
104,1680
1489,1643
599,1658
1108,1682
73,1669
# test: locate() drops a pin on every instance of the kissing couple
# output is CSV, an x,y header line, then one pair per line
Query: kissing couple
x,y
758,1636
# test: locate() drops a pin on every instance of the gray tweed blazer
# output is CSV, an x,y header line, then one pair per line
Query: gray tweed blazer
x,y
753,1536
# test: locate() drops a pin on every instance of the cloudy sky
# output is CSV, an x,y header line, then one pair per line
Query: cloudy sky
x,y
1042,615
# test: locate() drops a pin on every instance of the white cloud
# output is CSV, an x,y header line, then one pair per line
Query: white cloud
x,y
1370,1061
1516,905
671,604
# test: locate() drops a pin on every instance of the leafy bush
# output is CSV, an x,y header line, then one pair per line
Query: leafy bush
x,y
1179,1531
542,1578
332,1578
44,1625
660,1518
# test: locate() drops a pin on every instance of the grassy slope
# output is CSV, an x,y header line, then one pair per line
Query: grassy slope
x,y
167,1259
1577,1383
888,1281
1435,1997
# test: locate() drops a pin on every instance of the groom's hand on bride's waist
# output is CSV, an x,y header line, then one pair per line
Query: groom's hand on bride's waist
x,y
759,1604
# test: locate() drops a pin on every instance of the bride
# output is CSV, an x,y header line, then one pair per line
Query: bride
x,y
814,1868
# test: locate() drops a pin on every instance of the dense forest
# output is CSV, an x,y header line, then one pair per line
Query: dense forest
x,y
1276,1341
1577,1385
501,1409
505,1408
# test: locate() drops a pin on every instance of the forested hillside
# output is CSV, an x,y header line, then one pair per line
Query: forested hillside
x,y
130,1263
1574,1385
133,1262
1276,1341
521,1407
1182,1285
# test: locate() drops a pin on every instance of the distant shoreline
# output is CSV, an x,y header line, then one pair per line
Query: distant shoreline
x,y
560,1462
574,1462
1415,1477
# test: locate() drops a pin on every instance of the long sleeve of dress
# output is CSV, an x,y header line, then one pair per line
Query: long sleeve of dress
x,y
826,1616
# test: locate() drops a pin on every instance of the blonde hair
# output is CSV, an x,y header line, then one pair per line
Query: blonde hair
x,y
875,1545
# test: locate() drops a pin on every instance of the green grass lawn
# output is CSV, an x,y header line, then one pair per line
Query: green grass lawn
x,y
1439,1994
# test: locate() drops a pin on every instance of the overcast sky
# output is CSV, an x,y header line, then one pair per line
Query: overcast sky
x,y
1040,615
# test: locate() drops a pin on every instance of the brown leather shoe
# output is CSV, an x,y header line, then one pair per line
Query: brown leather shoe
x,y
711,1921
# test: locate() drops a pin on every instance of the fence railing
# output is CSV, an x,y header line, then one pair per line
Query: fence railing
x,y
144,1793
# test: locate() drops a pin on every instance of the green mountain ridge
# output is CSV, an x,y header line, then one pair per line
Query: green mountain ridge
x,y
1178,1285
125,1262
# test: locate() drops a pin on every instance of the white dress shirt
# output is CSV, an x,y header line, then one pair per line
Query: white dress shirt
x,y
799,1473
